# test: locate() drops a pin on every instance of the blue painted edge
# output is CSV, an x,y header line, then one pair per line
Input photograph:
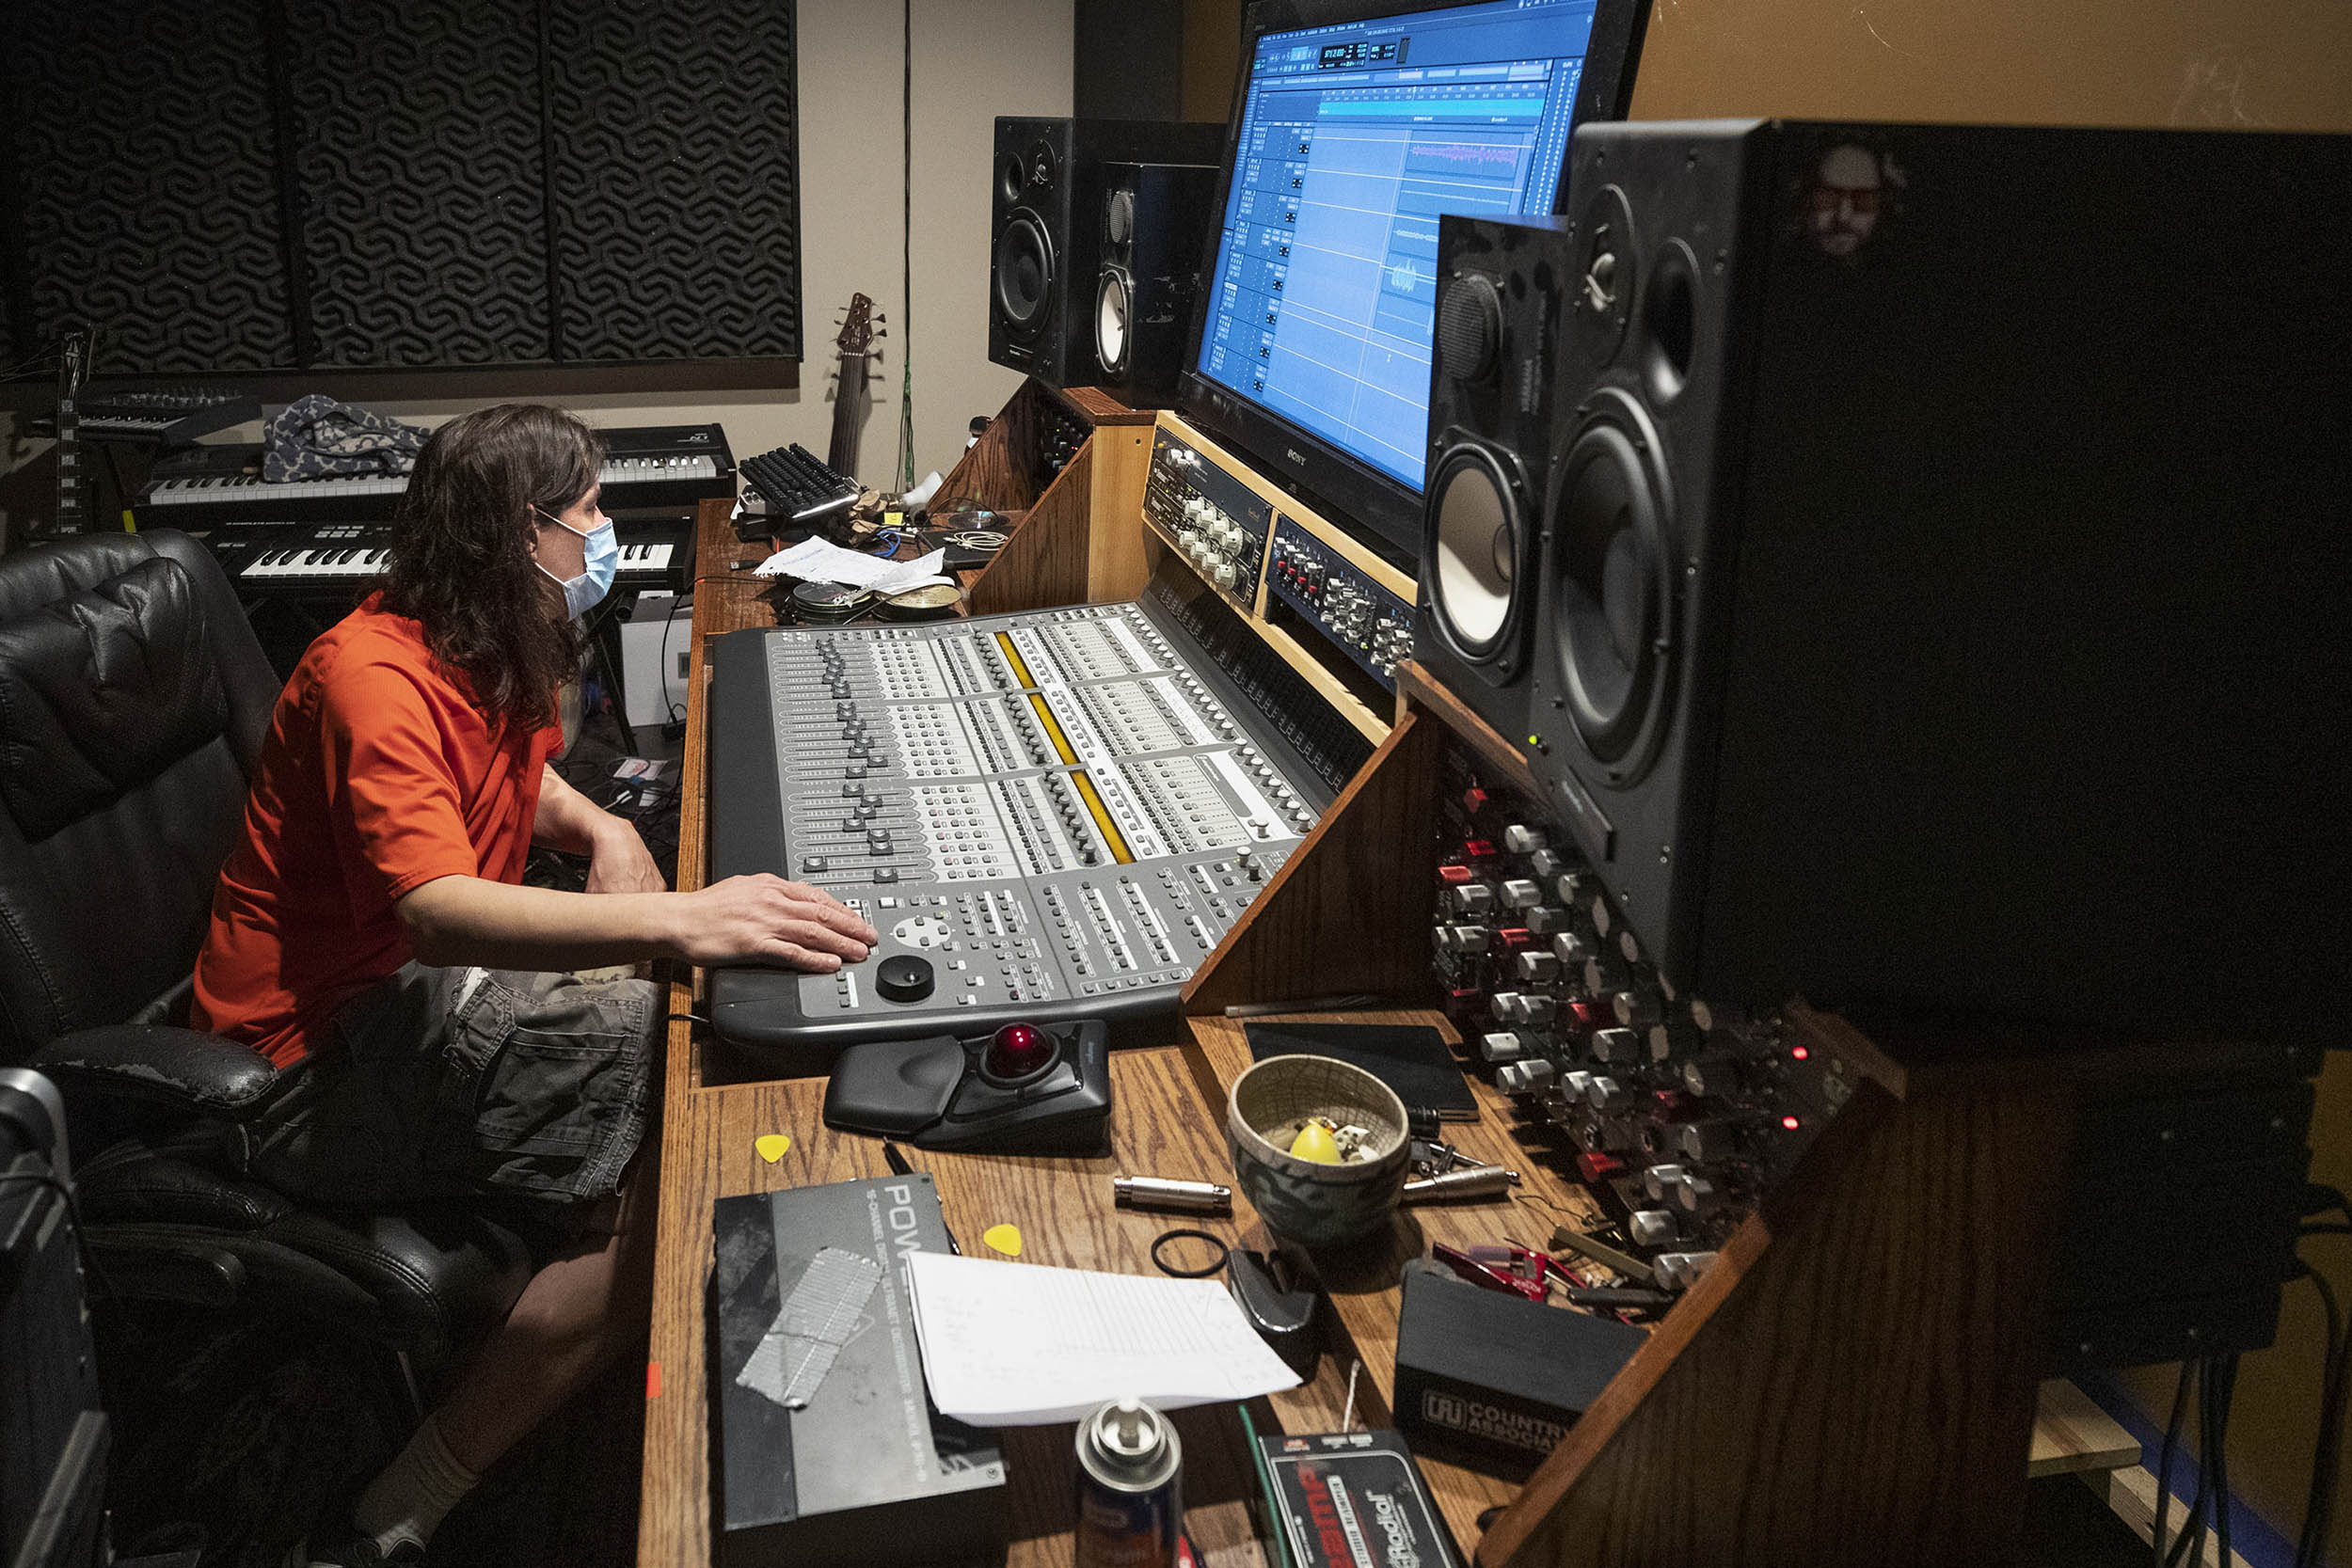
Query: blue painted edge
x,y
2251,1536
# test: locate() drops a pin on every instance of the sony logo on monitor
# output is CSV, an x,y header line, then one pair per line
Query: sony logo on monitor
x,y
1296,456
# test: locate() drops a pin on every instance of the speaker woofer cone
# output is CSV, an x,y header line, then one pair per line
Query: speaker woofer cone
x,y
1025,271
1477,545
1113,305
1612,590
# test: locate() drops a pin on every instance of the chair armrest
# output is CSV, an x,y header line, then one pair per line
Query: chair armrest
x,y
160,1065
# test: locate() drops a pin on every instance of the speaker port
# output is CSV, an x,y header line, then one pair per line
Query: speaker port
x,y
1670,322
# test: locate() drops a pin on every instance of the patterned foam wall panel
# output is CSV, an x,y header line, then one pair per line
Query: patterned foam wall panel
x,y
419,157
141,166
476,181
673,177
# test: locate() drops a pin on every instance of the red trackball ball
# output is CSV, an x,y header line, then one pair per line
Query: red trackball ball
x,y
1019,1049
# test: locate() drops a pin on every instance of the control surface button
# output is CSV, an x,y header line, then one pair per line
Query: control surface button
x,y
904,978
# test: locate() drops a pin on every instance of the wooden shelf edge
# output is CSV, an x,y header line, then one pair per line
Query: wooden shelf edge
x,y
1422,690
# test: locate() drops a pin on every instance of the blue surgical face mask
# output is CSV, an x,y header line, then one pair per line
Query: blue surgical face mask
x,y
585,592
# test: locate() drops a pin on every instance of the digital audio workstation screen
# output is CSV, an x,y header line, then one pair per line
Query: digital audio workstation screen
x,y
1353,137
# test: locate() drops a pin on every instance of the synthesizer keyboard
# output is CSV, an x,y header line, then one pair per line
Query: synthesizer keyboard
x,y
654,468
1049,815
152,416
325,559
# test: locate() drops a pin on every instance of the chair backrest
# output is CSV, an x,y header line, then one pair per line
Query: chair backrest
x,y
134,698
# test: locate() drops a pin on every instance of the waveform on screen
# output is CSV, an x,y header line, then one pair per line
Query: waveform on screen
x,y
1491,160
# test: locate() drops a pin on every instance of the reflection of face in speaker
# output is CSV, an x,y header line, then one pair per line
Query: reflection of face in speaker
x,y
1613,601
1842,204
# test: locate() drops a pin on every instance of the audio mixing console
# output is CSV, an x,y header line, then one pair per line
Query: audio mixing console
x,y
1047,816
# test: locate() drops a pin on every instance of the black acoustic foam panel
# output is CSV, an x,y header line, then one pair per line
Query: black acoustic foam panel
x,y
419,156
674,179
142,165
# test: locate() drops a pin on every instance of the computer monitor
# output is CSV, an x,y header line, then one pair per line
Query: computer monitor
x,y
1354,124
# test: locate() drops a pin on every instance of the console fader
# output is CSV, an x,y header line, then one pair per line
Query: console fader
x,y
1047,816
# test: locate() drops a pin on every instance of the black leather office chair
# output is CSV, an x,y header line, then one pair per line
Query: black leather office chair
x,y
134,700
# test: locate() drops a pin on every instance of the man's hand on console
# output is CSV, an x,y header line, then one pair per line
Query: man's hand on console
x,y
766,917
618,860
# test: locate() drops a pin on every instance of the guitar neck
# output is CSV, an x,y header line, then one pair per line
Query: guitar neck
x,y
849,415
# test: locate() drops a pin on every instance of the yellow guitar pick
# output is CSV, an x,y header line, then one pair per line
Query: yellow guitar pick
x,y
771,1146
1004,1237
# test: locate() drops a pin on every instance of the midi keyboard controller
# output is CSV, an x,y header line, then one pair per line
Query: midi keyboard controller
x,y
1048,816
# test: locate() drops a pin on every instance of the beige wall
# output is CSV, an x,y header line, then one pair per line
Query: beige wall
x,y
974,61
2285,64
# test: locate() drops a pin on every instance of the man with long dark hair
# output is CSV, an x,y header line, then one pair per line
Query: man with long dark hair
x,y
371,935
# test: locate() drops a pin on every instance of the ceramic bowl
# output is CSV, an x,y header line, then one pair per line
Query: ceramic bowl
x,y
1315,1205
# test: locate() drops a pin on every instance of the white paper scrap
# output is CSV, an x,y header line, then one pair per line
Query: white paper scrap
x,y
815,560
820,1317
1019,1344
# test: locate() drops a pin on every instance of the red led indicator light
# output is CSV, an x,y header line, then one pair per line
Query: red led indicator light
x,y
1789,1122
1801,1051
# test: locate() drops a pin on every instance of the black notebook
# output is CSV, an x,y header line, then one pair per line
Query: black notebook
x,y
1410,1059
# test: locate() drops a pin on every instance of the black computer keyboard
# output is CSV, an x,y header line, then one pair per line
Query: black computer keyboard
x,y
797,488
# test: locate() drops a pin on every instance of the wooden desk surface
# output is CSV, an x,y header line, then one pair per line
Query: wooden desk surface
x,y
1062,1207
1166,1121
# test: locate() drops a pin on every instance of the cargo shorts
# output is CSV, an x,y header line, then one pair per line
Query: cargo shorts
x,y
530,1089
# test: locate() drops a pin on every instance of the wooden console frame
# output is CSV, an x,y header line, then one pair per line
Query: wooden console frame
x,y
1854,1381
1073,546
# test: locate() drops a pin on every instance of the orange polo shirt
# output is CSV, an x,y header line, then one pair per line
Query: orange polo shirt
x,y
379,776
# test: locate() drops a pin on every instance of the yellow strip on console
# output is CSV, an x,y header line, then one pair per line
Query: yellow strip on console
x,y
1053,730
1095,808
1012,657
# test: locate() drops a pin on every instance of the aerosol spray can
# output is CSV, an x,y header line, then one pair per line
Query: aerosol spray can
x,y
1131,1501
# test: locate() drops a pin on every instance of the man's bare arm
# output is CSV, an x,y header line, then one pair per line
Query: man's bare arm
x,y
473,920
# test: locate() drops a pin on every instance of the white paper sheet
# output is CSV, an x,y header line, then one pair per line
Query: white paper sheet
x,y
813,560
1017,1344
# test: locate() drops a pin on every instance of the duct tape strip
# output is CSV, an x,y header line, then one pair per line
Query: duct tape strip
x,y
817,1318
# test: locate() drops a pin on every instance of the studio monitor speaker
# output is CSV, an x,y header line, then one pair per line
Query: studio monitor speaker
x,y
1047,195
1155,217
1499,286
1945,562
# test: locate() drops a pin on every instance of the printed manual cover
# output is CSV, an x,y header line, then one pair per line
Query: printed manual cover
x,y
829,1449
